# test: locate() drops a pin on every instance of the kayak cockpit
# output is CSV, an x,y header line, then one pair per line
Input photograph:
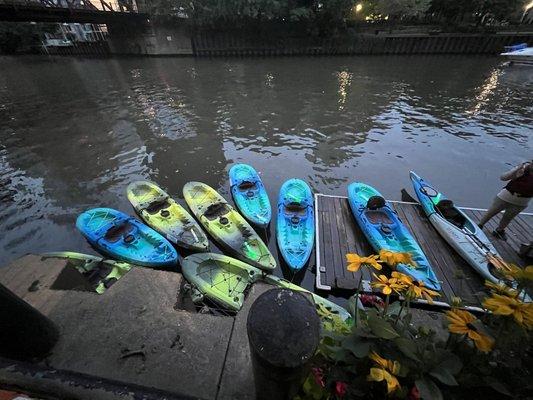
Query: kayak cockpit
x,y
216,210
450,213
377,217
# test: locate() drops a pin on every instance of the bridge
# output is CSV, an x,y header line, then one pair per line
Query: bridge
x,y
82,11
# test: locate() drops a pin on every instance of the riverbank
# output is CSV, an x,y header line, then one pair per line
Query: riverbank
x,y
138,339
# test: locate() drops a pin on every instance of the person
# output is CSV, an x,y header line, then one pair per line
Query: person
x,y
513,198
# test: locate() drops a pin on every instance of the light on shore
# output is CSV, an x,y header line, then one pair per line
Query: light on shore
x,y
359,7
528,6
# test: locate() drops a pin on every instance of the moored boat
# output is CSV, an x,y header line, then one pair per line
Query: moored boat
x,y
384,230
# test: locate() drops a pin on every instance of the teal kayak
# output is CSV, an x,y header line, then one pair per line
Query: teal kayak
x,y
250,195
295,228
124,238
384,230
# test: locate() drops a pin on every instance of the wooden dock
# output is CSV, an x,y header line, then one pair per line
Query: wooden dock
x,y
338,234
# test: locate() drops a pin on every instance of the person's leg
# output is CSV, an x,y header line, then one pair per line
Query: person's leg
x,y
497,206
511,211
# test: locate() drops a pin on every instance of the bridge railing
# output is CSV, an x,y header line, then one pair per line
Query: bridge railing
x,y
94,5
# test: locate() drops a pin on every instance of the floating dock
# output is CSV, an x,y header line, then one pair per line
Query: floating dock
x,y
338,234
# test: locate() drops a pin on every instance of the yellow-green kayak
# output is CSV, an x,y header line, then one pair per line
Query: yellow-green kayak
x,y
167,217
227,226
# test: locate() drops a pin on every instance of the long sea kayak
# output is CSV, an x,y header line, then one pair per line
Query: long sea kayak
x,y
384,230
227,226
457,229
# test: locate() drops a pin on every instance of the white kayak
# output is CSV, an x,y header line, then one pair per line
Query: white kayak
x,y
458,230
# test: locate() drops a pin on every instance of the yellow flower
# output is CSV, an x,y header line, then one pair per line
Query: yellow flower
x,y
385,370
387,285
518,273
462,322
355,262
501,288
392,258
419,290
402,279
505,305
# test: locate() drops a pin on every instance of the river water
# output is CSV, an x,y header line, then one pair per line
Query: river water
x,y
75,132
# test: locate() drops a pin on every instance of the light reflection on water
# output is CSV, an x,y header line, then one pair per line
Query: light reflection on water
x,y
74,133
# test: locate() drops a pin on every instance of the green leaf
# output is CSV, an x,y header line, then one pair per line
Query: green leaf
x,y
394,308
358,348
407,347
444,376
428,389
352,305
451,363
381,328
497,385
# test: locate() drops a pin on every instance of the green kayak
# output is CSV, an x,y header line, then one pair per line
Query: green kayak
x,y
162,213
220,278
330,306
225,280
99,273
227,226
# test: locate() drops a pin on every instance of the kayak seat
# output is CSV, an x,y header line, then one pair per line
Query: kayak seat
x,y
115,233
216,210
246,185
295,208
157,206
378,217
375,202
447,209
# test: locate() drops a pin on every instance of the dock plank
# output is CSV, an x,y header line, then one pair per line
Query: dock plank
x,y
338,234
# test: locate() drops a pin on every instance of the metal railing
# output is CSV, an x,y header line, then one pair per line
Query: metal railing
x,y
94,5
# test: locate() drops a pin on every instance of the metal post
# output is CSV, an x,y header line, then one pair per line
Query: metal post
x,y
25,333
284,333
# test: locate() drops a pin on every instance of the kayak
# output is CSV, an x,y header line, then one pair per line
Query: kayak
x,y
295,228
122,237
99,273
249,194
227,226
158,210
384,230
319,301
457,229
220,278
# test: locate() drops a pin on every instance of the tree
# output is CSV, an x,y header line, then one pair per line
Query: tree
x,y
399,9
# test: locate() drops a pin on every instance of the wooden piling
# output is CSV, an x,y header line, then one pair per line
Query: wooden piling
x,y
284,332
25,334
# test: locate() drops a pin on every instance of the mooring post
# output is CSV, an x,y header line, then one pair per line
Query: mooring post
x,y
25,333
284,333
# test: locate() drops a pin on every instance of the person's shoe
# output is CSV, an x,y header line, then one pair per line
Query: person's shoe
x,y
500,234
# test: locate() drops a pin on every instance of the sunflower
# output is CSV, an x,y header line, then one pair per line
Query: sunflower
x,y
385,370
505,305
387,285
462,322
418,290
392,258
501,288
402,279
355,261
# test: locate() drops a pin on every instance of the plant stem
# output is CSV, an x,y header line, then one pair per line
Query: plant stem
x,y
386,306
357,299
399,313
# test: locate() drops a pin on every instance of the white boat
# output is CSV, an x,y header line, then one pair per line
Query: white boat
x,y
519,54
460,232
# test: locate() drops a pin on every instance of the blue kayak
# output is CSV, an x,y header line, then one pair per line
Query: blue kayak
x,y
384,230
250,195
124,238
295,228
